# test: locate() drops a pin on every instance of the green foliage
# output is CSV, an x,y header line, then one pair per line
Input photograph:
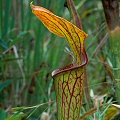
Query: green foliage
x,y
16,116
4,84
2,114
29,53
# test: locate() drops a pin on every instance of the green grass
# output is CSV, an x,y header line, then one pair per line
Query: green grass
x,y
29,53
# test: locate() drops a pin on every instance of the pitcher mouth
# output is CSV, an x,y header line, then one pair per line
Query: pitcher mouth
x,y
70,67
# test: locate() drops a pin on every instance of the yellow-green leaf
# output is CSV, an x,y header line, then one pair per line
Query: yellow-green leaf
x,y
63,28
110,113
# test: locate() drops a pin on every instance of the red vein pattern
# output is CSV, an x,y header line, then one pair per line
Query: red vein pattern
x,y
68,80
69,89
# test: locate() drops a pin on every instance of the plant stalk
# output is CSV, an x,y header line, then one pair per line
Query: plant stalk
x,y
69,90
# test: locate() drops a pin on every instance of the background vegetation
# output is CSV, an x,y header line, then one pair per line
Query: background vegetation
x,y
29,53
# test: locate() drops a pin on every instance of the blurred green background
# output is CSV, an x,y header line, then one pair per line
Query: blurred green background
x,y
29,53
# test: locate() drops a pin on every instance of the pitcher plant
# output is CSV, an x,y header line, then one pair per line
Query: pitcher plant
x,y
69,80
